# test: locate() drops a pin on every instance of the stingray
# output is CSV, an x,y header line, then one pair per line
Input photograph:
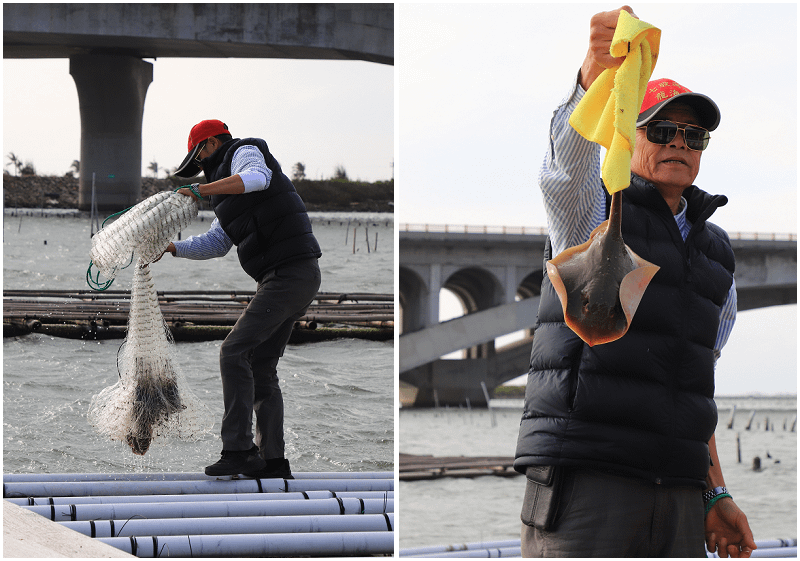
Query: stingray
x,y
601,282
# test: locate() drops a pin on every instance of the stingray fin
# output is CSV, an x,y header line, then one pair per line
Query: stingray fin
x,y
558,285
632,287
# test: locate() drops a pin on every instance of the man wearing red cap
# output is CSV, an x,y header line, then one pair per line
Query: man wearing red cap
x,y
259,211
617,440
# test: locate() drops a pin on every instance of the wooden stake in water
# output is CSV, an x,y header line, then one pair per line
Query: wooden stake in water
x,y
489,403
738,448
95,215
730,421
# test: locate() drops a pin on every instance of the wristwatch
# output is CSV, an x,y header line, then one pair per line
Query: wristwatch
x,y
711,493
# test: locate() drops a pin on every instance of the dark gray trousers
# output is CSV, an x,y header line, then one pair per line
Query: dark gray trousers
x,y
603,515
250,353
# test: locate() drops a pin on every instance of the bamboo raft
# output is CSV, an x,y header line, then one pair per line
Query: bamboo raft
x,y
413,468
191,315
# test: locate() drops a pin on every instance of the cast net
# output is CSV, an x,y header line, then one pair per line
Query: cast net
x,y
145,230
151,398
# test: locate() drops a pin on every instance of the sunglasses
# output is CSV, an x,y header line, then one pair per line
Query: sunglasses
x,y
662,132
197,156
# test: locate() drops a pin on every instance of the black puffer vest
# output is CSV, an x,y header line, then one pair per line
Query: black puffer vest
x,y
643,405
268,227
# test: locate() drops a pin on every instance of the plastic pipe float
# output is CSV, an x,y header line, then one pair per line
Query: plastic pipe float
x,y
148,514
511,548
59,513
180,487
269,545
238,525
178,476
411,551
121,499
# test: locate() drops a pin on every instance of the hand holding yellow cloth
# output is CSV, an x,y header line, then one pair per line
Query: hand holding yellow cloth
x,y
607,113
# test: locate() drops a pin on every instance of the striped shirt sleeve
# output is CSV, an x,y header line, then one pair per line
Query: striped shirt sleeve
x,y
248,162
575,201
214,243
570,180
727,317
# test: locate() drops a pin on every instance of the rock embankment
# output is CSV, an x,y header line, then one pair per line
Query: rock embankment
x,y
33,191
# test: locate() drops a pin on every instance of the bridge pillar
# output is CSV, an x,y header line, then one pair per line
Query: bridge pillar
x,y
434,287
111,92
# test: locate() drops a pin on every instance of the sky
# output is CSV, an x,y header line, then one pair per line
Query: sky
x,y
478,84
477,87
324,114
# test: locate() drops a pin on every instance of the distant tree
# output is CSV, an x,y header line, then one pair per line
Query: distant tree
x,y
298,171
340,173
76,167
154,168
28,169
14,161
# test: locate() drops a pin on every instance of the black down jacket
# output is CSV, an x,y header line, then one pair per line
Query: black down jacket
x,y
642,405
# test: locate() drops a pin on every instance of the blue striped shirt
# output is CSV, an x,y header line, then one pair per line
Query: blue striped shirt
x,y
248,162
575,201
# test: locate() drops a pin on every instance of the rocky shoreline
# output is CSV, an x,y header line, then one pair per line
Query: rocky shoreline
x,y
33,191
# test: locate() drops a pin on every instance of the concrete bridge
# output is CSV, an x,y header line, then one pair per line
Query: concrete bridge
x,y
106,43
496,274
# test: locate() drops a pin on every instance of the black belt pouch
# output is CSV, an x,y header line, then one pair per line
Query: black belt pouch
x,y
541,496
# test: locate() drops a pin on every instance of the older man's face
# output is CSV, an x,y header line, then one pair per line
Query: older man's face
x,y
671,167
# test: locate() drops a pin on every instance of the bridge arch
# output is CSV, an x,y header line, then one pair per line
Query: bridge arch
x,y
531,285
476,287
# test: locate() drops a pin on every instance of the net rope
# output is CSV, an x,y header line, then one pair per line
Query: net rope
x,y
151,399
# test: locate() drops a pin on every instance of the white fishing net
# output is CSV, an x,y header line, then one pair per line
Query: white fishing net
x,y
151,398
146,230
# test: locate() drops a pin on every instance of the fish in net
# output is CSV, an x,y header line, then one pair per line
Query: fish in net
x,y
151,398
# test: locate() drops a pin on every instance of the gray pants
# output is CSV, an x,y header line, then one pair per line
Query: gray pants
x,y
250,353
602,515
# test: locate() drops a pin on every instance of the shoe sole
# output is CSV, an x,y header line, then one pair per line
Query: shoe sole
x,y
229,473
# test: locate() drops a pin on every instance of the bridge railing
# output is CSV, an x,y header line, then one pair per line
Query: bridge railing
x,y
541,230
772,236
472,229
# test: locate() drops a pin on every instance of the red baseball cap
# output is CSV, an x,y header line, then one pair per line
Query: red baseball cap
x,y
662,92
200,132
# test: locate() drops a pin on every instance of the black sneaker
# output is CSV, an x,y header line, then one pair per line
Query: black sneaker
x,y
234,462
277,468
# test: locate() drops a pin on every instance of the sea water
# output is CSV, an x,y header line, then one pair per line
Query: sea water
x,y
462,510
339,395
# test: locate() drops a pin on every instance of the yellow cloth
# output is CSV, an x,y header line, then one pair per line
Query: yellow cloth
x,y
607,113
